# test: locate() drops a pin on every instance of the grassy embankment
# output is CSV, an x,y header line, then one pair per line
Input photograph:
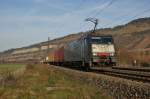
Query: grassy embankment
x,y
43,82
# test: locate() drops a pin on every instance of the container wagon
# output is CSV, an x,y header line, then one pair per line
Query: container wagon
x,y
88,51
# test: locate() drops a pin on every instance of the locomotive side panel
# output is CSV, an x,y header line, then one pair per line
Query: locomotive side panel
x,y
72,53
85,50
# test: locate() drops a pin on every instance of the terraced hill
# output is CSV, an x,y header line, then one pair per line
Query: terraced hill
x,y
133,36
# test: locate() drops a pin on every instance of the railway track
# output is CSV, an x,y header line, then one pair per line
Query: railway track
x,y
142,69
142,75
137,74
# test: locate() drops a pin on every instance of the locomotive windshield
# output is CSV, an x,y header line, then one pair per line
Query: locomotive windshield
x,y
102,40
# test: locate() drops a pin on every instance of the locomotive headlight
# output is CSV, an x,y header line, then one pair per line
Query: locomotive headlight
x,y
47,58
94,54
112,54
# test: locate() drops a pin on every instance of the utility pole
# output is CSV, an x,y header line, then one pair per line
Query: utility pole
x,y
48,45
93,20
46,53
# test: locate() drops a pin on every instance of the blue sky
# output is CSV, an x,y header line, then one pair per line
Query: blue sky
x,y
25,22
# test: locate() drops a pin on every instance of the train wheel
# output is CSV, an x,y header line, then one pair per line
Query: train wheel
x,y
88,66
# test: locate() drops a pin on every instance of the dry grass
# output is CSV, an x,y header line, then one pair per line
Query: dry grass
x,y
43,82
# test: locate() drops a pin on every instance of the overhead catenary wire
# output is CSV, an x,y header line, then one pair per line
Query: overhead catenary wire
x,y
107,6
112,2
83,2
72,12
94,11
136,15
101,10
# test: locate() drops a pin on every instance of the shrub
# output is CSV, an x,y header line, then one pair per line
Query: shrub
x,y
8,79
145,64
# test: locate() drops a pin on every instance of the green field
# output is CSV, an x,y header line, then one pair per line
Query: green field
x,y
43,82
10,67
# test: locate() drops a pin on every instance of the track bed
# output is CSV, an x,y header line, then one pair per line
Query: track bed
x,y
128,73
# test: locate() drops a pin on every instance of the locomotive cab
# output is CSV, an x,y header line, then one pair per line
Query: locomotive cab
x,y
102,50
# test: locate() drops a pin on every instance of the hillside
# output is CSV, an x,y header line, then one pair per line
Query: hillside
x,y
134,32
133,36
128,35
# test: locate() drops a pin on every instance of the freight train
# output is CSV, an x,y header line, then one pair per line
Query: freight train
x,y
88,51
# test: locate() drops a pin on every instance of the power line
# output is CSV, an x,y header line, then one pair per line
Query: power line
x,y
138,14
89,15
72,12
107,6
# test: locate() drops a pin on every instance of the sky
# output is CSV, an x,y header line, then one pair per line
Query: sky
x,y
26,22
